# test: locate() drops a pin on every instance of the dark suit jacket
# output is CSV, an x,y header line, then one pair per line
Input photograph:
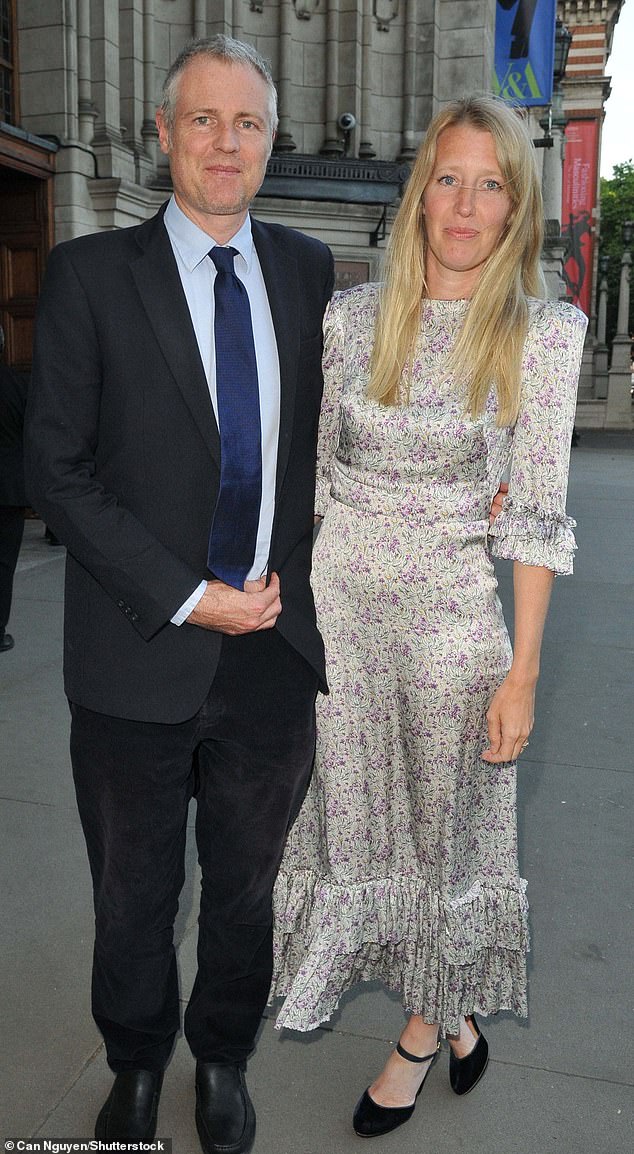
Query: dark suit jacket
x,y
122,453
13,390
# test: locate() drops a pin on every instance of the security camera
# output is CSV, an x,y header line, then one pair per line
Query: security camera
x,y
347,121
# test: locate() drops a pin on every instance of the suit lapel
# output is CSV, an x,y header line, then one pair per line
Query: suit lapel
x,y
282,287
159,286
158,283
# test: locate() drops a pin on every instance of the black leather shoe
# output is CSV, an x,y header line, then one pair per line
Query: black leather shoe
x,y
129,1112
465,1073
225,1118
6,642
371,1120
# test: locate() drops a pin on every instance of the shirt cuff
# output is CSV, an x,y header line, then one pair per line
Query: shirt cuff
x,y
186,608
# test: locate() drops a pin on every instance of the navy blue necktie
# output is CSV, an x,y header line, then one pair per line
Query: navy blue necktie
x,y
234,530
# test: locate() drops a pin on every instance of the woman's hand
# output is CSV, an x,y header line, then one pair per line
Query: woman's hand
x,y
512,711
510,719
498,501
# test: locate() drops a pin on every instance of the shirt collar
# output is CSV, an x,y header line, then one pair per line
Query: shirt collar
x,y
194,245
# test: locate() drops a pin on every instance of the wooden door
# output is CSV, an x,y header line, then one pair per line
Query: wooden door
x,y
24,245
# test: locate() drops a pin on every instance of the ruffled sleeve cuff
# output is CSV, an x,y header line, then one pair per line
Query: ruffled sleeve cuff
x,y
534,537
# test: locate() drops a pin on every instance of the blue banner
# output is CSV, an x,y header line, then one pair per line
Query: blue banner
x,y
524,50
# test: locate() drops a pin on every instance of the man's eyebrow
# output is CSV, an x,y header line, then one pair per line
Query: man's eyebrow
x,y
216,111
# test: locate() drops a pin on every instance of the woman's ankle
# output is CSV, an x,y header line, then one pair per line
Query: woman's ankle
x,y
419,1037
400,1080
464,1042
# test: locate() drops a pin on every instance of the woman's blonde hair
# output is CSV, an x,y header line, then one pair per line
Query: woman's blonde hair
x,y
488,349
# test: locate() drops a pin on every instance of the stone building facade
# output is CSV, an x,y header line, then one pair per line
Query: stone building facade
x,y
358,81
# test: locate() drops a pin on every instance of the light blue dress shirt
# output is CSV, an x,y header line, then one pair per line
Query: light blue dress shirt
x,y
191,247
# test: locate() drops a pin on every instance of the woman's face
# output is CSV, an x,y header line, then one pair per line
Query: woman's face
x,y
466,207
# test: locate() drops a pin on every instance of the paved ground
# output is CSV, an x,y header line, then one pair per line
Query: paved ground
x,y
559,1084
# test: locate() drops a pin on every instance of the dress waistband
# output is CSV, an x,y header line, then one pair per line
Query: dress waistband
x,y
431,503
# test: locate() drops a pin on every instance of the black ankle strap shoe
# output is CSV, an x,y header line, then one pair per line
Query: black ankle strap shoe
x,y
465,1073
371,1120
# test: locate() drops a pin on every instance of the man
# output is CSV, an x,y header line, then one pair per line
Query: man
x,y
143,371
13,389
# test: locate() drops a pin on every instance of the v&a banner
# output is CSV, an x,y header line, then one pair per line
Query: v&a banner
x,y
524,50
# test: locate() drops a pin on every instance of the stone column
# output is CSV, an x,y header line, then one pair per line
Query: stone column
x,y
284,140
333,145
71,98
552,186
601,350
618,413
149,131
86,108
236,30
136,77
366,149
113,158
105,69
408,144
200,18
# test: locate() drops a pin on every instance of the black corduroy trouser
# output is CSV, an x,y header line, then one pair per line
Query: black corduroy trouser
x,y
247,754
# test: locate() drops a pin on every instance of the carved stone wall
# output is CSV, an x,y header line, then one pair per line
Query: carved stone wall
x,y
92,72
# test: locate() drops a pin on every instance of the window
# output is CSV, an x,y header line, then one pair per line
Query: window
x,y
7,57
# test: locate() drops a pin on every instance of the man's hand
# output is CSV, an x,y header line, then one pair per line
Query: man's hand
x,y
228,610
496,506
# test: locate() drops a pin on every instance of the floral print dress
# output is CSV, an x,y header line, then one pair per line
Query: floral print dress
x,y
402,864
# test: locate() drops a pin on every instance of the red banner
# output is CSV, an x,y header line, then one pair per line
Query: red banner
x,y
578,208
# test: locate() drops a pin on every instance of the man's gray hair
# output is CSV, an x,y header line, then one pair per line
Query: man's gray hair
x,y
216,48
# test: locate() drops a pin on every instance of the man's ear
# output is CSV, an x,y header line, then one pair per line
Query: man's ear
x,y
163,131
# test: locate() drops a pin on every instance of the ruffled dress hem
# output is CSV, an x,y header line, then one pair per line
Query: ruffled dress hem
x,y
445,959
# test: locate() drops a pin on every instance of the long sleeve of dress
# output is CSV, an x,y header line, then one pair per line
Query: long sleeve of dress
x,y
330,416
533,527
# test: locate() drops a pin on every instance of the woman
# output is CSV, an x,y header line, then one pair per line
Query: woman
x,y
403,862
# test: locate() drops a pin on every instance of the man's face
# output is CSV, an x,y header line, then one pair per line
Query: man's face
x,y
219,143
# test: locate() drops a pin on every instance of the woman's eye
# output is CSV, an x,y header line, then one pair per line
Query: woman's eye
x,y
492,186
448,181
